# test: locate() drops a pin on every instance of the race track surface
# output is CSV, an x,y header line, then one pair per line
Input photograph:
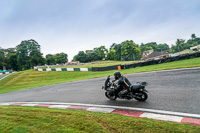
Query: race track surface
x,y
3,76
176,90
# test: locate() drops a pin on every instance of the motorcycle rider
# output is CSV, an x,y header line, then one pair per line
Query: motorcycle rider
x,y
123,83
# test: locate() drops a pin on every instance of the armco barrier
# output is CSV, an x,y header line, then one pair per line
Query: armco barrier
x,y
65,69
105,68
152,62
4,73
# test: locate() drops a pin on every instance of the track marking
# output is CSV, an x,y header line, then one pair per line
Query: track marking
x,y
117,107
125,112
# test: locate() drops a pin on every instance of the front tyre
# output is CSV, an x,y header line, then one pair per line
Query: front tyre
x,y
141,96
110,95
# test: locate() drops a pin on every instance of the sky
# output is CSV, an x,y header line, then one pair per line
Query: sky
x,y
71,26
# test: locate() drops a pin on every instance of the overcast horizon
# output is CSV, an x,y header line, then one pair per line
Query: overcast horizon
x,y
71,26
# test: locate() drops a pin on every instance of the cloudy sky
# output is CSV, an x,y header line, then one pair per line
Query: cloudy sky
x,y
71,26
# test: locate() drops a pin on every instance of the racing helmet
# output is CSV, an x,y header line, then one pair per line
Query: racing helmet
x,y
117,74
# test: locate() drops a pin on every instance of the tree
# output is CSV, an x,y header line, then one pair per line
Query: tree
x,y
91,55
163,47
28,54
2,58
36,59
101,52
137,53
50,60
11,58
187,45
81,56
172,49
117,48
112,54
61,58
98,53
130,51
193,36
12,61
153,45
194,41
94,56
145,48
179,44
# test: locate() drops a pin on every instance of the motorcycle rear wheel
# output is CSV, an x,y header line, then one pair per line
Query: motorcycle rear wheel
x,y
141,96
110,95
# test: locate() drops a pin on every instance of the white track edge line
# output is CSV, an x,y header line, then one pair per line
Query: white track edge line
x,y
161,117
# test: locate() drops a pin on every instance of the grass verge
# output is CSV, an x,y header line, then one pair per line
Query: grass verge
x,y
31,79
33,119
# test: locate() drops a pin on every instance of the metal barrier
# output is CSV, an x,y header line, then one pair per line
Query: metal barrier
x,y
146,63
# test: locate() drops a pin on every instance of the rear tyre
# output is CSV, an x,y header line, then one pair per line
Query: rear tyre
x,y
110,95
141,96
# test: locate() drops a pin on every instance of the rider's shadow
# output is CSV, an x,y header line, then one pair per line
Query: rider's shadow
x,y
126,103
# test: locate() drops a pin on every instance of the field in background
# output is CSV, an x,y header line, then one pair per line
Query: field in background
x,y
33,119
31,79
98,64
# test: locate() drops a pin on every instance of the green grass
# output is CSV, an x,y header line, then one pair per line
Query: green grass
x,y
30,79
15,119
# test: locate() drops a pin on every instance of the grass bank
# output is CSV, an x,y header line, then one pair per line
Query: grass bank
x,y
32,119
30,79
99,64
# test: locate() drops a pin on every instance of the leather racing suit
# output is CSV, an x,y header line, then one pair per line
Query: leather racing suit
x,y
123,85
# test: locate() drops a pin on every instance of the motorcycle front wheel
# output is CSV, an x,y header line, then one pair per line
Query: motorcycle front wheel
x,y
141,96
110,95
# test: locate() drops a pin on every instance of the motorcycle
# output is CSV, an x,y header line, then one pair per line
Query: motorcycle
x,y
136,91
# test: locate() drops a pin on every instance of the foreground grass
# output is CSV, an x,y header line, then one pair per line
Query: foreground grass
x,y
32,119
30,79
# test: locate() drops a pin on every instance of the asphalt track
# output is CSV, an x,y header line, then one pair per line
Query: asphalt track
x,y
3,76
174,90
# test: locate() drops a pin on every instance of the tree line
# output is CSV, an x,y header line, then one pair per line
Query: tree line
x,y
182,44
129,50
27,54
